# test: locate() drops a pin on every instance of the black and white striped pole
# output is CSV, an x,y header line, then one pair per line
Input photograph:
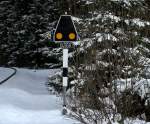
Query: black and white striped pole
x,y
65,70
65,77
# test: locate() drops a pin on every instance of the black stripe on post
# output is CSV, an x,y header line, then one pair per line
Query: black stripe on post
x,y
65,72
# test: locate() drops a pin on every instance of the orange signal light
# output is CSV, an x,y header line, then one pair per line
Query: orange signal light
x,y
72,36
59,36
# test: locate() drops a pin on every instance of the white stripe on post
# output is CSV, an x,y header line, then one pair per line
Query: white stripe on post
x,y
65,58
65,81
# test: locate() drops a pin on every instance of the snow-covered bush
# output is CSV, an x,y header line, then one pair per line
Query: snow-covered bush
x,y
111,59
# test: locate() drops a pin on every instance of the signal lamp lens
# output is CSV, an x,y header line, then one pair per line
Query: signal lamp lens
x,y
59,36
72,36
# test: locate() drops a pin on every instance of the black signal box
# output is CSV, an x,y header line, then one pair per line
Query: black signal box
x,y
65,30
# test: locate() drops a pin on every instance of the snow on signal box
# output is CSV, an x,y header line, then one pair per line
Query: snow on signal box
x,y
65,30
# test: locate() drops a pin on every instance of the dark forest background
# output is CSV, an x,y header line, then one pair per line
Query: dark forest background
x,y
24,24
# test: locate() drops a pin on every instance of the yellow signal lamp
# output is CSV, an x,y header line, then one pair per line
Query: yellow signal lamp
x,y
72,36
59,36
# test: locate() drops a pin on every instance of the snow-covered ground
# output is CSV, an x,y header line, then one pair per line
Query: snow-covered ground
x,y
4,73
24,99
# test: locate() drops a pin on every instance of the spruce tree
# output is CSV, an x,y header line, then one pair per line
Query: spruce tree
x,y
114,51
22,24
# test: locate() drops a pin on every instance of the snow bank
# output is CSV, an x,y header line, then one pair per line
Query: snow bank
x,y
15,115
25,99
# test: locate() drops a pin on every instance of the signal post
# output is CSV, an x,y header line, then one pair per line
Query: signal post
x,y
65,33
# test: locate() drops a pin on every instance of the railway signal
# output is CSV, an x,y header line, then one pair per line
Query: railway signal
x,y
65,32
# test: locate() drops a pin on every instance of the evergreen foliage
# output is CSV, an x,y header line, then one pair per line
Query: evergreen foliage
x,y
115,47
22,23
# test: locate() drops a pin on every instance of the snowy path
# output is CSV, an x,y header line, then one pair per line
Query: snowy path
x,y
4,73
24,99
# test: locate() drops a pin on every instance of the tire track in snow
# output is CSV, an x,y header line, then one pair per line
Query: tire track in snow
x,y
10,76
